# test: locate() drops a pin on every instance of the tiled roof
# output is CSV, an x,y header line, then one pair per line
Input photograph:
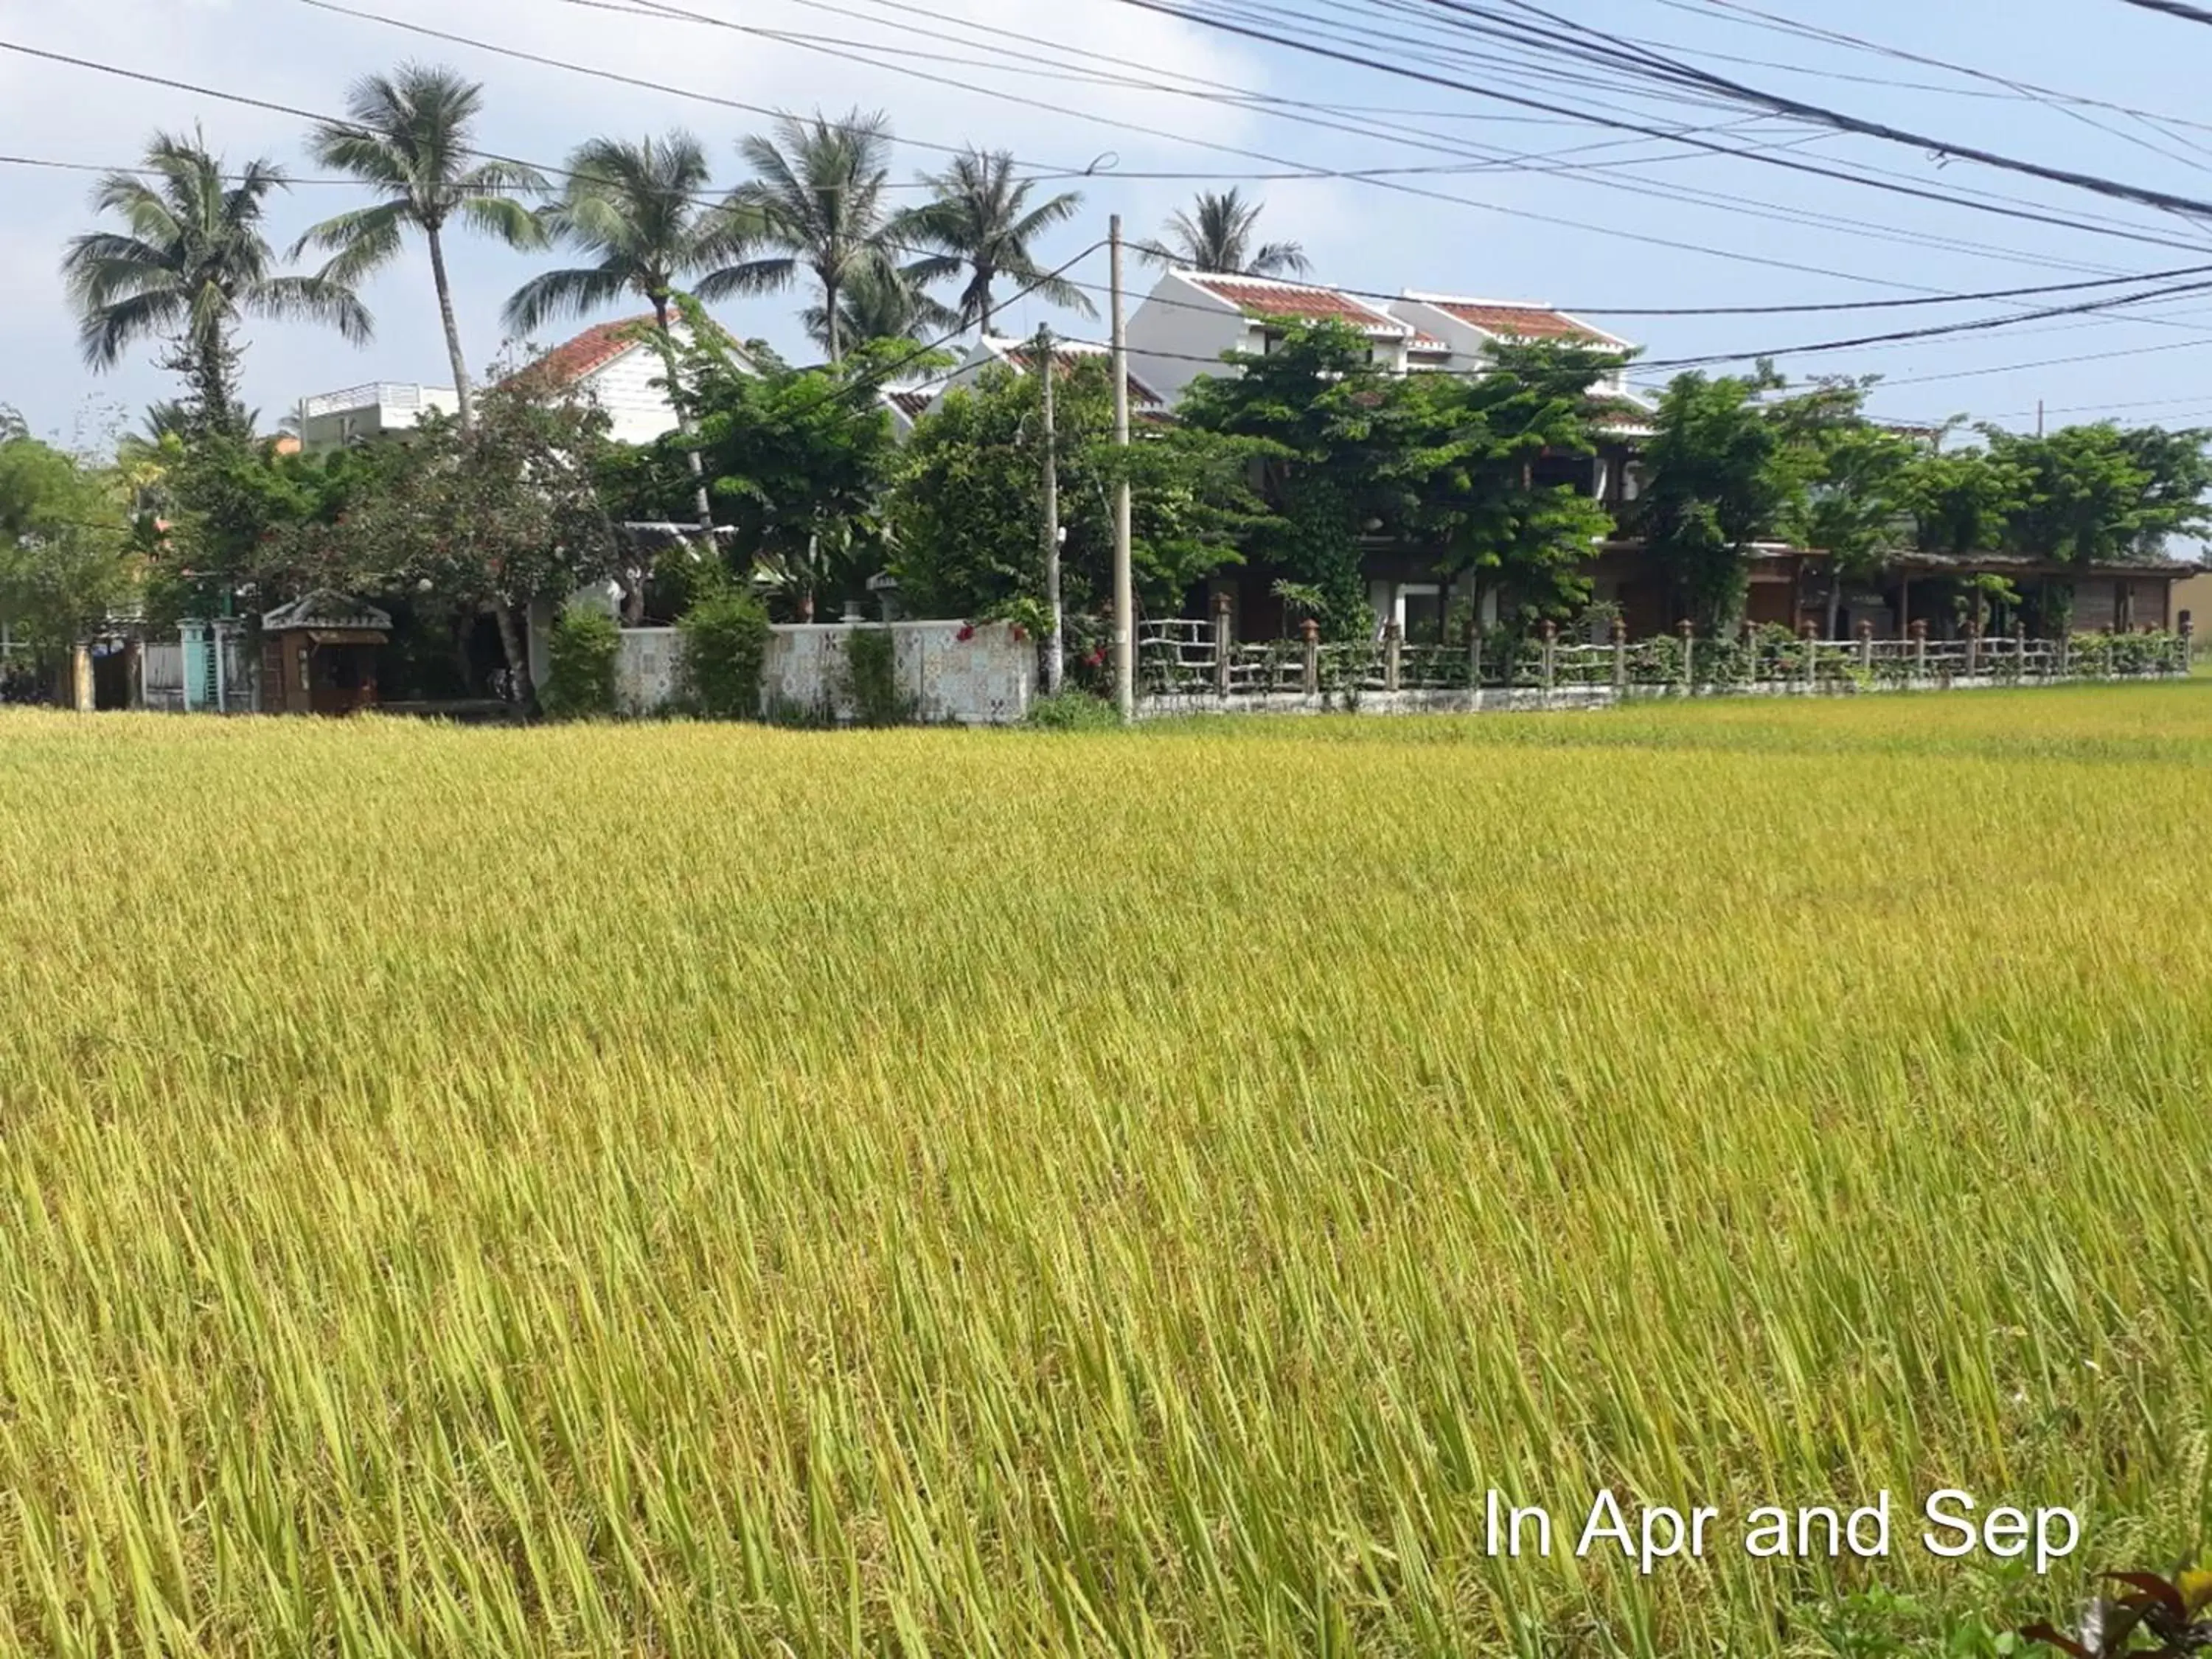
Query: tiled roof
x,y
911,400
1066,354
1520,322
595,349
1261,297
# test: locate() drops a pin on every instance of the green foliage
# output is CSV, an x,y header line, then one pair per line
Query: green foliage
x,y
723,650
1075,711
872,677
2093,494
1351,456
64,556
583,652
1723,476
800,462
968,508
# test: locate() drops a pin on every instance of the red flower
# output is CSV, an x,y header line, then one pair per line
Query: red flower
x,y
1020,632
967,632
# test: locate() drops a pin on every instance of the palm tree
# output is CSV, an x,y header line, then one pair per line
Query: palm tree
x,y
191,261
981,224
643,213
1217,237
817,198
873,309
407,137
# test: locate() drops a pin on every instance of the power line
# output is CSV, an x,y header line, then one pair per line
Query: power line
x,y
1736,205
1841,122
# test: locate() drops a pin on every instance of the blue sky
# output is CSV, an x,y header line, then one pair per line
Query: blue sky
x,y
1769,236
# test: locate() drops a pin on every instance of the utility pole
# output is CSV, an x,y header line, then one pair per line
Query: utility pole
x,y
1125,601
1056,647
2039,417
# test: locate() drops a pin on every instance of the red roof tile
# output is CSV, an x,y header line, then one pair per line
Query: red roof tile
x,y
1519,322
595,349
911,401
1065,357
1267,299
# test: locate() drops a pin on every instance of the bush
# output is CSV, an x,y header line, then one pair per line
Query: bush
x,y
1074,711
872,671
583,651
723,639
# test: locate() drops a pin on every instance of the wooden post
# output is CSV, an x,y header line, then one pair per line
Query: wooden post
x,y
1222,644
1620,658
80,679
2188,631
1394,654
1810,636
1311,630
1550,657
1866,647
1904,603
1920,649
1689,645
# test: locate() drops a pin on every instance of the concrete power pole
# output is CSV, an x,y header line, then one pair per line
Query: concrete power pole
x,y
1055,654
1125,602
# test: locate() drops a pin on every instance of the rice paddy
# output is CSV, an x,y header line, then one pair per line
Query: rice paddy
x,y
689,1191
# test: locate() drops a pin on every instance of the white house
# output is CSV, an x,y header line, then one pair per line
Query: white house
x,y
1191,318
615,366
333,420
994,351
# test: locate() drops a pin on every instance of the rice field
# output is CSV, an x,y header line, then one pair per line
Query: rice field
x,y
690,1191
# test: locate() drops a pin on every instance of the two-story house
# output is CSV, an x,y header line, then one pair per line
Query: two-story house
x,y
1191,319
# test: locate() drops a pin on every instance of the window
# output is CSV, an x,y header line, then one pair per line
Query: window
x,y
1421,612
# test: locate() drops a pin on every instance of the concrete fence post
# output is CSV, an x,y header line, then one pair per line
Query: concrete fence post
x,y
1311,631
1474,657
1866,647
2019,650
1689,647
1222,644
1973,649
1620,658
1394,655
1920,648
1810,637
1550,657
2187,630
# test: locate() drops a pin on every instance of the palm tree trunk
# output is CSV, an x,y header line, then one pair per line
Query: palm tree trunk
x,y
699,497
462,390
829,312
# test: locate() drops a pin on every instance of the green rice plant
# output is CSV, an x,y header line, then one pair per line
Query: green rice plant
x,y
690,1190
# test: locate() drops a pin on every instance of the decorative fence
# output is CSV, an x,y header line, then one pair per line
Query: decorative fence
x,y
1188,665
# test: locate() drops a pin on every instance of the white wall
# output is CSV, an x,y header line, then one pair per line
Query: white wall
x,y
986,679
1180,332
639,409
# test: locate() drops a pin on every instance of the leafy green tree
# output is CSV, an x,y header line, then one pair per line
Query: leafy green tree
x,y
1724,475
191,261
1961,501
1482,507
968,508
489,520
66,561
982,227
407,136
799,461
2095,494
1219,234
818,200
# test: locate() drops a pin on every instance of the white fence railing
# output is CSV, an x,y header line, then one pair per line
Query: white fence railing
x,y
1182,663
